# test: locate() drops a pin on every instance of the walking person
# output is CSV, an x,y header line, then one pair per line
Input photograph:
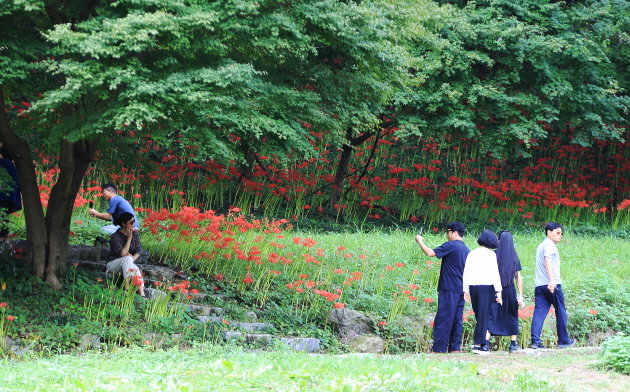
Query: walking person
x,y
482,287
548,291
448,323
117,205
124,251
504,318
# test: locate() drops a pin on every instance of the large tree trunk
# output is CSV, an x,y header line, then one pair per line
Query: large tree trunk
x,y
47,237
74,160
33,213
344,163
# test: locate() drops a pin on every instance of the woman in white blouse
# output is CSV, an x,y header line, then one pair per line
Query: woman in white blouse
x,y
482,286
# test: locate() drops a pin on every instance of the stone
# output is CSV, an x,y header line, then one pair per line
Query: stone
x,y
350,323
152,293
310,345
88,253
251,316
204,310
367,344
252,327
157,273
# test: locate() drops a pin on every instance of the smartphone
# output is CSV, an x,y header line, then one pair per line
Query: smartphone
x,y
91,204
420,232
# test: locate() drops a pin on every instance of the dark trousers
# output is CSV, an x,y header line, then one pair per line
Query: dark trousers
x,y
482,297
448,324
544,299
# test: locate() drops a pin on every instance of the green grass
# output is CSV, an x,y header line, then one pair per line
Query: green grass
x,y
221,369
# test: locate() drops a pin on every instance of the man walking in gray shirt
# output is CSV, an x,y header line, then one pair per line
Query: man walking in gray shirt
x,y
548,289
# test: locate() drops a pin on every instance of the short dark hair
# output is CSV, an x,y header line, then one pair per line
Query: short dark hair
x,y
458,227
488,239
5,153
111,187
551,226
123,218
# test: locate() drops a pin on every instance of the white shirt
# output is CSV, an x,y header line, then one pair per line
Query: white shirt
x,y
481,269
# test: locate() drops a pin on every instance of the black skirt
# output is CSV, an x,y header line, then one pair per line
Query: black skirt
x,y
503,320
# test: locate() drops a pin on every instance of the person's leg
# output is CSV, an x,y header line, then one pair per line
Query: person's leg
x,y
481,298
132,274
457,329
109,229
561,316
443,322
541,308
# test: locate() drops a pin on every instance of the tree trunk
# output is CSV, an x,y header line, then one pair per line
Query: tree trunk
x,y
47,237
33,213
344,163
74,160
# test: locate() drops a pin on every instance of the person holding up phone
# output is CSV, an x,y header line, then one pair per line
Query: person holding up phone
x,y
117,205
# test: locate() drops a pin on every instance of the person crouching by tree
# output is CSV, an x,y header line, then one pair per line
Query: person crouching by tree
x,y
117,206
448,324
482,286
504,318
124,250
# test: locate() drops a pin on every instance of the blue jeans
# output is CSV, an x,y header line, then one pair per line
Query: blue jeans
x,y
544,300
448,325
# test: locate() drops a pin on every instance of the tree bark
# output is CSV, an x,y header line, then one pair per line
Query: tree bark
x,y
74,160
344,163
47,236
36,237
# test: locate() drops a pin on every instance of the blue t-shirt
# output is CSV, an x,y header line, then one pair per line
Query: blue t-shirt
x,y
453,255
118,205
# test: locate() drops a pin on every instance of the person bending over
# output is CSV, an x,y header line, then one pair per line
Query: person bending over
x,y
117,205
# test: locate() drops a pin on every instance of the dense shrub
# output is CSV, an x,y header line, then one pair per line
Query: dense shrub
x,y
616,354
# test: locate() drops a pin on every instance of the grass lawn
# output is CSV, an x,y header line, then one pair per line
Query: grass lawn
x,y
231,369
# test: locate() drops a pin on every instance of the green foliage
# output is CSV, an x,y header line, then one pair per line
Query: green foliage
x,y
615,354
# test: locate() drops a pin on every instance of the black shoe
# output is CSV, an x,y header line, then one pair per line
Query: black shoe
x,y
514,347
480,349
537,346
566,345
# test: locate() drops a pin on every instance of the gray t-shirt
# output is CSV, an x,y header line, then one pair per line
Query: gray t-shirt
x,y
547,248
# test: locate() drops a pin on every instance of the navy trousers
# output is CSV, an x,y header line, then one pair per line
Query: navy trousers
x,y
544,299
448,324
482,297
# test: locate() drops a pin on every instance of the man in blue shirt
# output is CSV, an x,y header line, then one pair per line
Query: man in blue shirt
x,y
448,324
117,205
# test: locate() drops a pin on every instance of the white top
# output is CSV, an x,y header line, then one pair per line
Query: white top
x,y
547,248
481,269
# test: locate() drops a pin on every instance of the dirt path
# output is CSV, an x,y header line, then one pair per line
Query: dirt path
x,y
574,369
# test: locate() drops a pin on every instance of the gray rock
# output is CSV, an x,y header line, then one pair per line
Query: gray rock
x,y
88,253
249,337
251,316
350,324
204,310
367,344
310,345
209,319
152,293
252,327
158,273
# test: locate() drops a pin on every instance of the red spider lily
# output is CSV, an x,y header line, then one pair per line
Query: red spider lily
x,y
382,323
3,304
593,311
412,298
137,281
339,305
10,318
247,280
428,300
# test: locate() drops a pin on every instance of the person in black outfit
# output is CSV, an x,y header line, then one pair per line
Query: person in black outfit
x,y
124,250
504,319
448,324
